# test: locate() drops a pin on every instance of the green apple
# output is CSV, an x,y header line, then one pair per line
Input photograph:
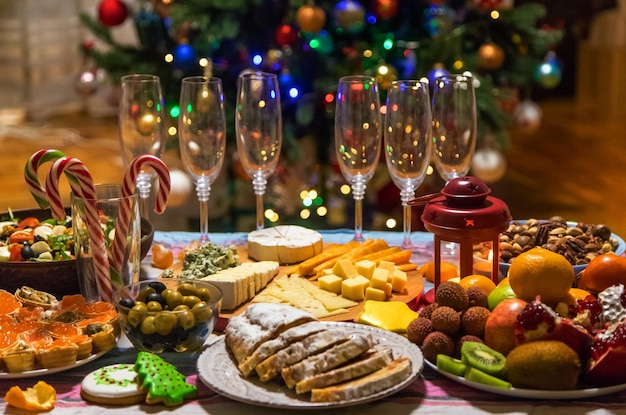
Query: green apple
x,y
500,293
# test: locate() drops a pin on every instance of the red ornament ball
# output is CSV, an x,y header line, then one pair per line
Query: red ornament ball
x,y
286,35
487,4
112,12
385,9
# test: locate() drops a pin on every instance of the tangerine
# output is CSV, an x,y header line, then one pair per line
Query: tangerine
x,y
478,280
504,281
162,256
40,397
448,271
541,272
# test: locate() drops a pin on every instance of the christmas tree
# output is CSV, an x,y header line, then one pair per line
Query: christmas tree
x,y
311,44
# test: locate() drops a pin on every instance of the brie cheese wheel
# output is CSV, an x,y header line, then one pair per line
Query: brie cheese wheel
x,y
285,244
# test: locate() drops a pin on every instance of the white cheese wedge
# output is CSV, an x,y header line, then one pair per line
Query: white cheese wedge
x,y
285,244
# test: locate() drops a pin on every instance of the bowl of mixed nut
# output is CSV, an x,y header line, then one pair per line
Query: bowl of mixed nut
x,y
38,251
578,242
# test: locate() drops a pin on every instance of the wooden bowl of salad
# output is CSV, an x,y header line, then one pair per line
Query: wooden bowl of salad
x,y
37,251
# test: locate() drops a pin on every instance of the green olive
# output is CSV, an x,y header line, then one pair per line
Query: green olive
x,y
204,294
174,299
182,307
136,314
143,294
148,325
191,300
187,289
154,306
186,319
166,292
202,312
164,322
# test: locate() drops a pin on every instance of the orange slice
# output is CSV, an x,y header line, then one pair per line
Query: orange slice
x,y
40,397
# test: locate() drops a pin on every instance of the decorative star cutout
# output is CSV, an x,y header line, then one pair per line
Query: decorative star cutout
x,y
469,222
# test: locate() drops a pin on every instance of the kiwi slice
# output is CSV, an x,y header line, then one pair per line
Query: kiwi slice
x,y
476,375
482,357
451,365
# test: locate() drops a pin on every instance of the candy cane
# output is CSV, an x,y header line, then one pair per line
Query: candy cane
x,y
83,187
136,166
32,178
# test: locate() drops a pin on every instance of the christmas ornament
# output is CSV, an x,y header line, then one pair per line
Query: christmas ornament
x,y
385,9
490,56
487,5
146,124
527,116
548,73
181,188
438,19
185,57
489,165
89,80
286,35
112,12
385,74
350,16
311,18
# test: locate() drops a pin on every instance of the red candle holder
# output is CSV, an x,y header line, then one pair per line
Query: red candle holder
x,y
466,214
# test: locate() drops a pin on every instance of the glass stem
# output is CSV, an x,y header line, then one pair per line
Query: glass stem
x,y
406,195
203,190
144,185
259,182
358,192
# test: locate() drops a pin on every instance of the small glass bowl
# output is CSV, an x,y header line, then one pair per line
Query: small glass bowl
x,y
168,314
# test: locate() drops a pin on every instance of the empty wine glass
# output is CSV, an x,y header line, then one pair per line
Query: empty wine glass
x,y
358,137
454,130
141,127
202,137
258,127
454,125
408,143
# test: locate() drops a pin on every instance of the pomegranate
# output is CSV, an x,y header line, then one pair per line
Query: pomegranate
x,y
607,363
537,321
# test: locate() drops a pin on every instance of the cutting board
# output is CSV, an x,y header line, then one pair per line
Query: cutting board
x,y
415,287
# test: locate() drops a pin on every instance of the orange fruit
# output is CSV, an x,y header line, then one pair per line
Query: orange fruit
x,y
162,257
448,270
40,397
480,281
541,272
504,281
575,294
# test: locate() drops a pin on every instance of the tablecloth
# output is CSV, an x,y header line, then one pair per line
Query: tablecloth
x,y
429,394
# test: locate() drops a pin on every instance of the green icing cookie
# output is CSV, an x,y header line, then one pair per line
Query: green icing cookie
x,y
162,380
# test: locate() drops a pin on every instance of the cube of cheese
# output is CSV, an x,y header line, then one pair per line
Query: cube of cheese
x,y
330,282
379,278
388,289
365,267
388,265
354,288
398,281
375,294
345,269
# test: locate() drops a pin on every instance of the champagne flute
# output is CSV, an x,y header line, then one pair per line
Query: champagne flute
x,y
202,137
408,143
258,127
454,129
454,125
141,127
358,137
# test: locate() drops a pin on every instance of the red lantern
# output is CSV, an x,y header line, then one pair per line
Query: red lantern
x,y
467,215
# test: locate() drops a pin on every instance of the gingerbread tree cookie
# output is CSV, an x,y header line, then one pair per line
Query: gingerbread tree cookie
x,y
162,380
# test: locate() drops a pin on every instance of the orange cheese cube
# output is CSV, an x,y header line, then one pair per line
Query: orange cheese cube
x,y
375,294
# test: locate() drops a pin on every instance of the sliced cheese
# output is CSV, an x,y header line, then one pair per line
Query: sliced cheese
x,y
285,244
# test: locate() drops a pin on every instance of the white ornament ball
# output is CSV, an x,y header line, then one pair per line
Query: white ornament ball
x,y
181,188
527,116
489,165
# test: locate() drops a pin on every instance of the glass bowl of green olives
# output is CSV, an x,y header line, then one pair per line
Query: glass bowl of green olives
x,y
168,314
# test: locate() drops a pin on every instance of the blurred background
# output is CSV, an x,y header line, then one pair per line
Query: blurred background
x,y
550,100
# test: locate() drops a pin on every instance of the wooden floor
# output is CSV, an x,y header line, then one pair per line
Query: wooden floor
x,y
572,166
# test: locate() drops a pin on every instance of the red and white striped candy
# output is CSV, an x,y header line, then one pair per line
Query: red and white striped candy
x,y
83,187
139,164
31,174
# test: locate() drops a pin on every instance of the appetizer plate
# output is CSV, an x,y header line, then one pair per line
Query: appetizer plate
x,y
42,372
533,393
218,370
